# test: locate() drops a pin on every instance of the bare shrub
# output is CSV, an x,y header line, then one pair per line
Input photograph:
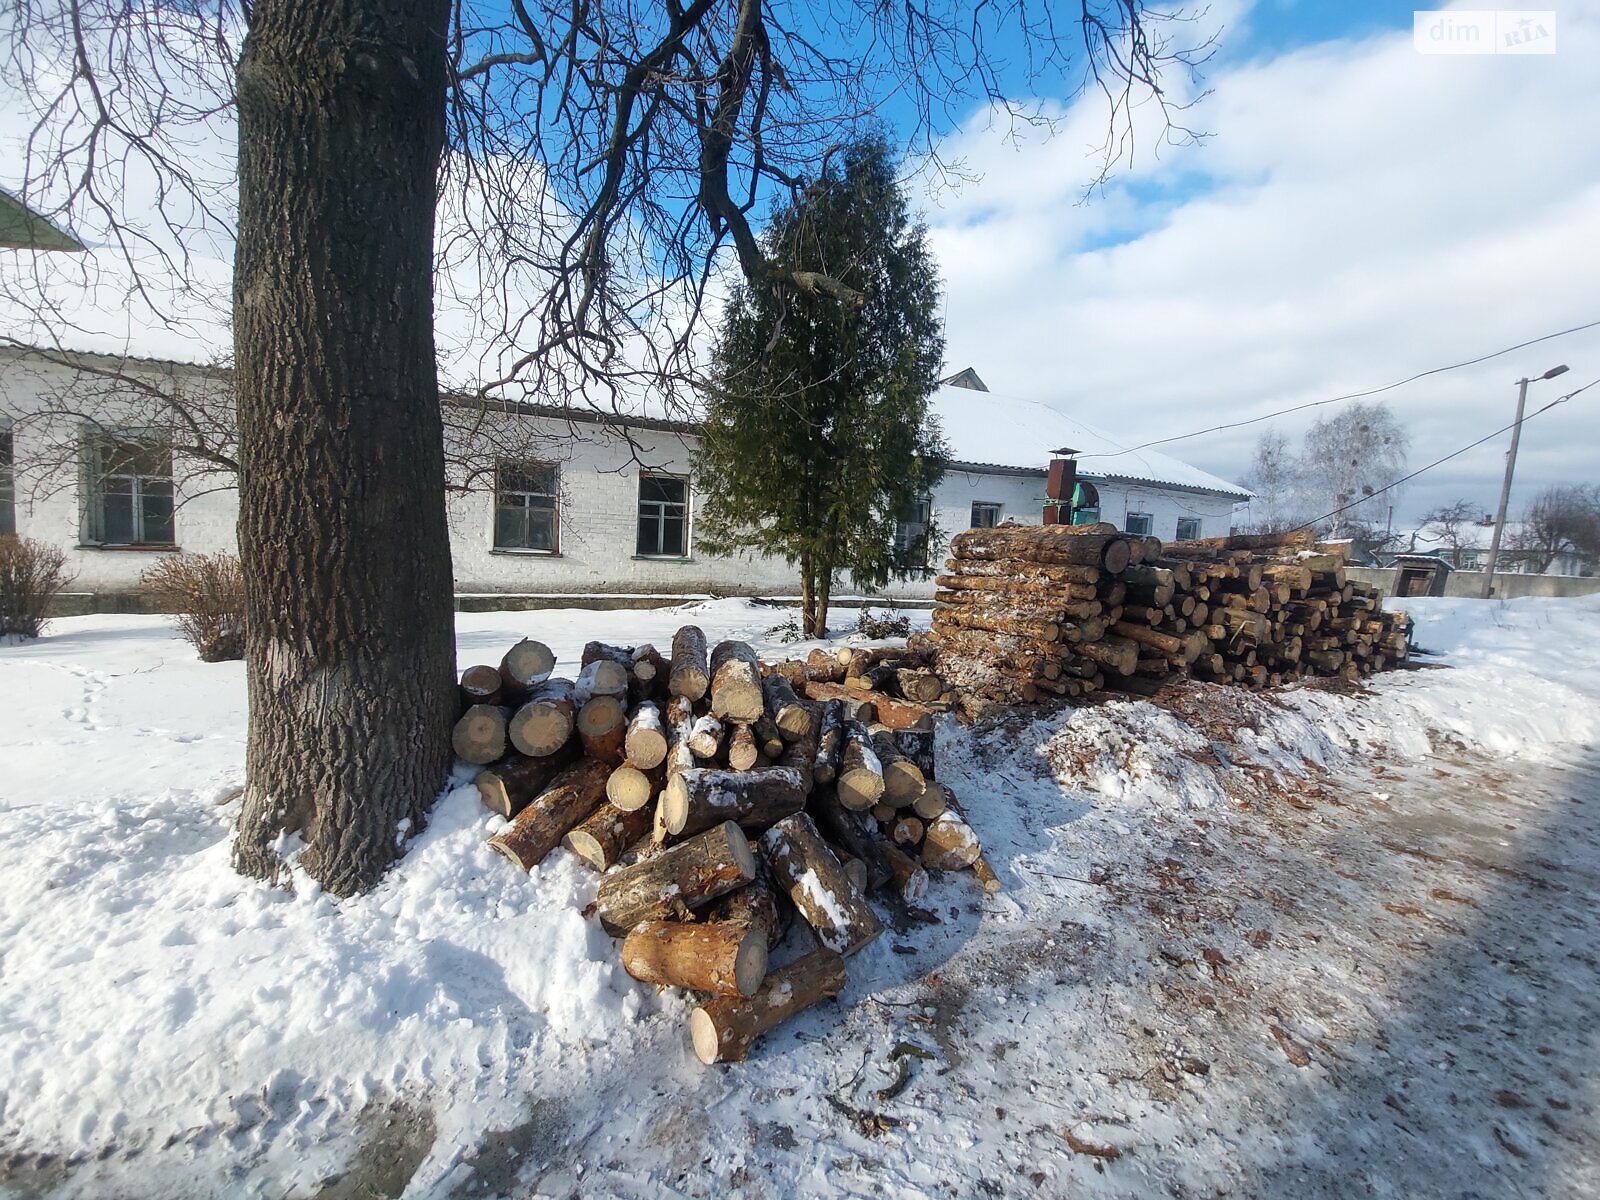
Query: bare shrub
x,y
31,575
893,623
206,591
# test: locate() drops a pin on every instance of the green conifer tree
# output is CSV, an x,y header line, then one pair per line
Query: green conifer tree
x,y
818,438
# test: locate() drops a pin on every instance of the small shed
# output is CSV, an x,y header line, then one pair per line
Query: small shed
x,y
1420,575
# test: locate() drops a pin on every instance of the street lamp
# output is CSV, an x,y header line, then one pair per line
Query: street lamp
x,y
1505,488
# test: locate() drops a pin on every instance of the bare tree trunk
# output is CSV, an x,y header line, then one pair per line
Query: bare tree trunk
x,y
342,523
824,588
808,597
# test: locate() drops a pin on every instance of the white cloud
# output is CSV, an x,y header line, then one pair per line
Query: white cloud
x,y
1362,212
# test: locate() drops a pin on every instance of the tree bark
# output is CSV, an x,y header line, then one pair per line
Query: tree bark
x,y
342,536
724,958
725,1029
809,872
686,877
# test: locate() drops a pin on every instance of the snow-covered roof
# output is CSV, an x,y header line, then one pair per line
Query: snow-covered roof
x,y
986,429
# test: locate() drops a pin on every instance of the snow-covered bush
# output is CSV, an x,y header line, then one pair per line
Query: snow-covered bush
x,y
206,591
31,574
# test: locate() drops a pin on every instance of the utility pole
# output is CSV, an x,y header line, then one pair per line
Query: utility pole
x,y
1505,487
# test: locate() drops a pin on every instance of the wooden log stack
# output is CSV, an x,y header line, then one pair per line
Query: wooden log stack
x,y
1027,613
724,801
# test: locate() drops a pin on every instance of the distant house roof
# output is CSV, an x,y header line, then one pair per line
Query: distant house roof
x,y
984,429
23,229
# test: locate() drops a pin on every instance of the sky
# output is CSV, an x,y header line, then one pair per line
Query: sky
x,y
1358,213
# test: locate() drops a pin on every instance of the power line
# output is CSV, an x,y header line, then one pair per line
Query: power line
x,y
1453,454
1388,387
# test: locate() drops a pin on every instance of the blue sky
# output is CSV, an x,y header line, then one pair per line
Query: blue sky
x,y
1359,212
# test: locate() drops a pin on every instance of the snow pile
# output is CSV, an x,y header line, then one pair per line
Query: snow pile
x,y
210,1035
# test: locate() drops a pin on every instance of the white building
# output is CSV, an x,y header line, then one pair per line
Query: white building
x,y
593,511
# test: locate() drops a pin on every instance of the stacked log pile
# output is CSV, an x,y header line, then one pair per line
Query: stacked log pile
x,y
1029,612
719,798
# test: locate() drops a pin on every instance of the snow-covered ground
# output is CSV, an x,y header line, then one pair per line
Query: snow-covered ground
x,y
1331,942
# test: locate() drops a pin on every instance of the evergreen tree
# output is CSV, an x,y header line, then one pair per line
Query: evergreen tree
x,y
818,437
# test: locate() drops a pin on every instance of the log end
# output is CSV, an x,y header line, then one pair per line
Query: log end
x,y
675,805
587,847
707,1040
750,965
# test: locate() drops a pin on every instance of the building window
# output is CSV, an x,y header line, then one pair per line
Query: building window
x,y
1138,523
911,535
984,515
1469,560
525,508
8,484
129,494
663,516
1188,528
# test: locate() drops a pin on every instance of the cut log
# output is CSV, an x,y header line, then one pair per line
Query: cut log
x,y
480,685
755,905
690,675
649,672
735,682
724,1029
1027,572
769,740
742,751
645,743
853,832
701,798
600,841
631,789
507,785
949,843
705,736
603,677
800,755
479,737
934,800
907,831
685,877
908,876
1046,544
803,867
915,744
1119,654
824,667
903,780
538,829
874,706
602,725
544,722
919,685
784,707
525,666
830,741
860,776
724,959
1026,627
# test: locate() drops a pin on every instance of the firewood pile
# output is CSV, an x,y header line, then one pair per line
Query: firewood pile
x,y
1030,612
719,798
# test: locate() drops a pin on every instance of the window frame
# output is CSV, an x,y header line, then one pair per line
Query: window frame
x,y
661,517
1148,519
902,545
1193,534
97,443
999,513
553,495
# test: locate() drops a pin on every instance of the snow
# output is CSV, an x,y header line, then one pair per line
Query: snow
x,y
1391,884
986,429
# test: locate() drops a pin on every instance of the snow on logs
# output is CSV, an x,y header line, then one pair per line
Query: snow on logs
x,y
664,777
1030,613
